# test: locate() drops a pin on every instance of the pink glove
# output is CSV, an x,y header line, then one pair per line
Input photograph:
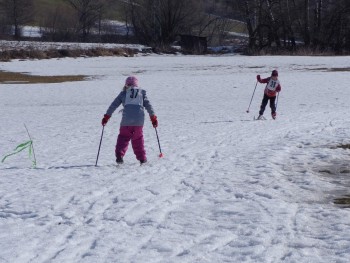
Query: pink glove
x,y
278,89
154,121
105,119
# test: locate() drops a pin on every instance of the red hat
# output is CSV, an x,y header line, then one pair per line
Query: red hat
x,y
274,73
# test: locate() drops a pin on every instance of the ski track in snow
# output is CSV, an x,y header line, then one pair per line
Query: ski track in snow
x,y
229,189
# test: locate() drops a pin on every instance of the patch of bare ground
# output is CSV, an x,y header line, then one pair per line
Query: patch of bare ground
x,y
23,78
342,146
330,69
338,173
343,201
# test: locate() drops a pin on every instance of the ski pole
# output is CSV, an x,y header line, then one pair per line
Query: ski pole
x,y
252,97
160,150
277,100
34,162
99,147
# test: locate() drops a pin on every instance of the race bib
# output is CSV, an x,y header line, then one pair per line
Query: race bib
x,y
272,85
134,96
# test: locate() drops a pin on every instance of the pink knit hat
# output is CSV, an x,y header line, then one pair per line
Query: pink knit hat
x,y
131,81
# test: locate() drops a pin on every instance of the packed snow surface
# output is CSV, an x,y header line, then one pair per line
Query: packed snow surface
x,y
228,189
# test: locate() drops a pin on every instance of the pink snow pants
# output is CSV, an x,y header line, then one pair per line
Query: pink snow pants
x,y
135,134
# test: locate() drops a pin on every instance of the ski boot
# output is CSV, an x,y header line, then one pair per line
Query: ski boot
x,y
274,115
119,160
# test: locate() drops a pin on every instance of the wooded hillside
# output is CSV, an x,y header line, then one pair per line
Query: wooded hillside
x,y
271,25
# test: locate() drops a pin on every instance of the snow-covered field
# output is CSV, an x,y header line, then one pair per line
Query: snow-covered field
x,y
228,189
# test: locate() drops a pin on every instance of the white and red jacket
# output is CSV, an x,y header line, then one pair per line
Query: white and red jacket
x,y
272,86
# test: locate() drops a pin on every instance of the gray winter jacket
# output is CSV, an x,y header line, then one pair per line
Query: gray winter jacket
x,y
134,100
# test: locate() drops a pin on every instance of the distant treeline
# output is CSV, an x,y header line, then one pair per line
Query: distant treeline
x,y
316,24
270,25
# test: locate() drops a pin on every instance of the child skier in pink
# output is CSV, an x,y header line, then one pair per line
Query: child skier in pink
x,y
134,100
272,87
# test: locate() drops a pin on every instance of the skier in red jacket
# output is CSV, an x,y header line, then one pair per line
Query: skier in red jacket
x,y
272,87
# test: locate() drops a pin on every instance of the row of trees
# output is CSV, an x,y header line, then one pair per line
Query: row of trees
x,y
316,24
16,13
62,17
152,22
159,22
278,24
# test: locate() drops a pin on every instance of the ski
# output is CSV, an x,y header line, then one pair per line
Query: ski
x,y
262,118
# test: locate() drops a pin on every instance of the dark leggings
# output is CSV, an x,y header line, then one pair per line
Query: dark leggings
x,y
264,103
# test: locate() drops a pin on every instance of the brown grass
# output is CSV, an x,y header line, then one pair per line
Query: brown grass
x,y
343,146
297,51
330,69
22,78
35,53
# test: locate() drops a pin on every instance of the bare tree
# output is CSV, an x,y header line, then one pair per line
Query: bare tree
x,y
89,12
17,13
336,26
157,22
57,23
